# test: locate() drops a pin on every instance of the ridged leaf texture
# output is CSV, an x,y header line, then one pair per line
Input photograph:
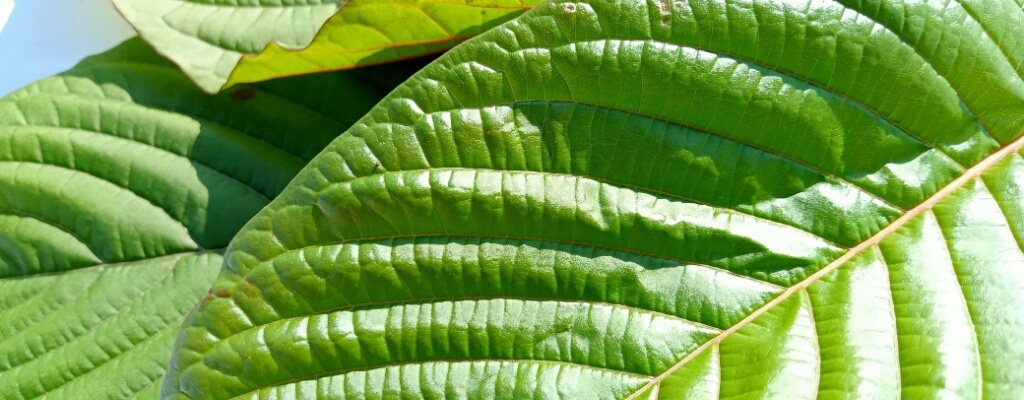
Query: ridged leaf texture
x,y
220,43
120,185
653,200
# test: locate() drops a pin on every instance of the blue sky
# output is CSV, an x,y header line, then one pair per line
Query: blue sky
x,y
44,37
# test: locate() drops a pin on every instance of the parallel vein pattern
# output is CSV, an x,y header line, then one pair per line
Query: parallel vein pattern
x,y
702,199
121,186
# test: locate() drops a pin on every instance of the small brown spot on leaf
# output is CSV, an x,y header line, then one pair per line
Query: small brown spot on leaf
x,y
665,9
243,94
569,8
223,293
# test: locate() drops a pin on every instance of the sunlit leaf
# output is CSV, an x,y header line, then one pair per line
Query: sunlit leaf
x,y
627,199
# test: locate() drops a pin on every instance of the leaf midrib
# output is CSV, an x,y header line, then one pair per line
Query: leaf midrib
x,y
968,175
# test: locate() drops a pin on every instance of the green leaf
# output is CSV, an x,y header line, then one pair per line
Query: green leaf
x,y
120,185
220,43
623,200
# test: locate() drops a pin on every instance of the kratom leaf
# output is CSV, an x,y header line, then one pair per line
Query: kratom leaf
x,y
220,43
120,185
623,200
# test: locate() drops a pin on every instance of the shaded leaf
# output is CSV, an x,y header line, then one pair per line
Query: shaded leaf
x,y
120,185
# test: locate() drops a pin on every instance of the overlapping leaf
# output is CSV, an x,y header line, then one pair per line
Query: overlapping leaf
x,y
609,200
120,185
223,42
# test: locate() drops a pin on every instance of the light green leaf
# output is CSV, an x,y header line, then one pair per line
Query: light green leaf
x,y
120,185
625,199
220,43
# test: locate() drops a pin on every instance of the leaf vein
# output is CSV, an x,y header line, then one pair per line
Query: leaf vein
x,y
925,206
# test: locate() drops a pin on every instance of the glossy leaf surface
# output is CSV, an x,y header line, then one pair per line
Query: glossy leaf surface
x,y
653,200
120,185
223,42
